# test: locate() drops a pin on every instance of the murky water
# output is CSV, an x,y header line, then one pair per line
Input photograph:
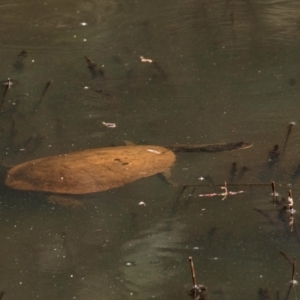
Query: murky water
x,y
223,71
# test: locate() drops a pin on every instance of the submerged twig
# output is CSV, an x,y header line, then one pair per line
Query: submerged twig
x,y
92,67
274,156
38,103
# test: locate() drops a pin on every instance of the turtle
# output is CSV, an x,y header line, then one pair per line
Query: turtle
x,y
97,170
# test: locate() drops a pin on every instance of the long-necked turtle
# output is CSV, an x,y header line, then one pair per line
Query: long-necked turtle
x,y
101,169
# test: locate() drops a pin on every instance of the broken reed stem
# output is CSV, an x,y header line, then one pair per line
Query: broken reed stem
x,y
192,271
273,188
290,202
8,85
275,199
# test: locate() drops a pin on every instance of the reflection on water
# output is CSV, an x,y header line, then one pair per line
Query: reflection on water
x,y
222,71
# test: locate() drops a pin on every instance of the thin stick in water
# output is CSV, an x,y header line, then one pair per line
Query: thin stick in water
x,y
290,126
293,270
273,188
284,255
8,83
46,88
192,271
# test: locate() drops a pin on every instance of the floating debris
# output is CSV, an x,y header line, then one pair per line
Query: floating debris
x,y
224,194
142,203
146,60
109,125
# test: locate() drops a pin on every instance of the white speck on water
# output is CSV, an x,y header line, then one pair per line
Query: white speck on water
x,y
83,24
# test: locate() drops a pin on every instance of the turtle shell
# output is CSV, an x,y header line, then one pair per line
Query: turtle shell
x,y
91,170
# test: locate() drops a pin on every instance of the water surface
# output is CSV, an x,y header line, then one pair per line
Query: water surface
x,y
223,71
